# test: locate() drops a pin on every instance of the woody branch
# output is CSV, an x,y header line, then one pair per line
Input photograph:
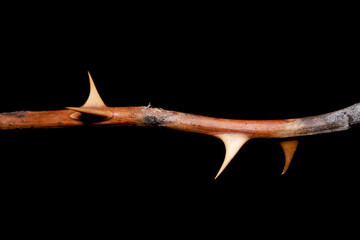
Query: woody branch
x,y
234,133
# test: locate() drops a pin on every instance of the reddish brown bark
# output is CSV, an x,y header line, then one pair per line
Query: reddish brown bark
x,y
146,116
234,133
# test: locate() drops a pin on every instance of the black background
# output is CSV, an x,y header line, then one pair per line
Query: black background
x,y
239,67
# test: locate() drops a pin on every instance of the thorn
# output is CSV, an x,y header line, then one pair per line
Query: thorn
x,y
94,99
289,147
104,113
233,143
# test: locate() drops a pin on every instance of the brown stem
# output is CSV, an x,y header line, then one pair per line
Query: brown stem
x,y
145,116
234,133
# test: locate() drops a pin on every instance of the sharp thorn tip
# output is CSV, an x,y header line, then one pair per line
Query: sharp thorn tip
x,y
289,148
233,143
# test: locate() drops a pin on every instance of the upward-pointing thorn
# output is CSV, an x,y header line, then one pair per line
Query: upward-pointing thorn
x,y
94,99
94,106
233,143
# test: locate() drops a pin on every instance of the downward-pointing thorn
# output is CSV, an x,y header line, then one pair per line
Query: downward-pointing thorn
x,y
289,147
233,143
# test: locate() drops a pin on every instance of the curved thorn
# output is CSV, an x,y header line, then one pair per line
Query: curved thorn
x,y
289,147
94,99
91,111
233,143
